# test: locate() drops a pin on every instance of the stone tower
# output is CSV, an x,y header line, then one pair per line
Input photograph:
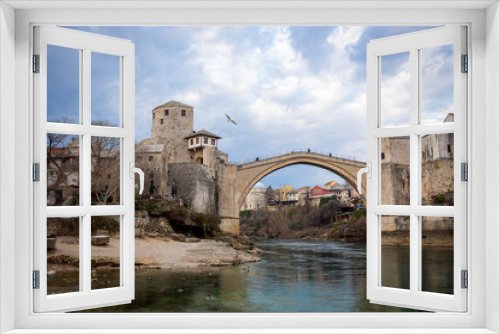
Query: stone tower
x,y
172,123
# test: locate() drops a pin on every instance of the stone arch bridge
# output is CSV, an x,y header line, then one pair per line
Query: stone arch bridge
x,y
238,180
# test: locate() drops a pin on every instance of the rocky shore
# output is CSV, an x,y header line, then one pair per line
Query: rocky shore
x,y
153,252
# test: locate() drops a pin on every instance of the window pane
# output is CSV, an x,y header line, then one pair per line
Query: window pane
x,y
63,85
105,252
437,254
395,170
105,171
105,89
63,170
437,84
63,255
437,169
395,90
395,236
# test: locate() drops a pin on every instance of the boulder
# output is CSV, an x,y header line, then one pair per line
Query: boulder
x,y
68,240
141,214
139,233
177,237
100,240
102,232
191,240
51,243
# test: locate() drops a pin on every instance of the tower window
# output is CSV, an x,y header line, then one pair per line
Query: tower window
x,y
166,112
205,140
154,116
150,158
197,140
192,141
213,141
161,121
183,113
382,155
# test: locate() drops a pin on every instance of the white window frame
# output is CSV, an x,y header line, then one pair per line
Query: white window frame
x,y
484,102
86,44
413,43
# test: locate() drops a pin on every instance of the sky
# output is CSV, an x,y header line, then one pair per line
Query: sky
x,y
288,88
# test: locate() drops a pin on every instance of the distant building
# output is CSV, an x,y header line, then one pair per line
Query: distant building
x,y
283,191
292,195
303,195
256,199
340,192
331,184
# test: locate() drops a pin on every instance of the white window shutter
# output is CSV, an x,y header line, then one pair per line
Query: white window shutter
x,y
84,297
413,295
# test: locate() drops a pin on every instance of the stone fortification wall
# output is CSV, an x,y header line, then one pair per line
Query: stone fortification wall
x,y
436,231
437,182
227,197
195,186
174,129
395,180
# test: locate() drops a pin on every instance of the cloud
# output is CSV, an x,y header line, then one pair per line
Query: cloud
x,y
288,88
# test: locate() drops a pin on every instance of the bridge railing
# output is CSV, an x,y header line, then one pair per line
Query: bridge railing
x,y
301,150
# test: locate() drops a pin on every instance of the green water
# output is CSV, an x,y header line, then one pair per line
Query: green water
x,y
293,276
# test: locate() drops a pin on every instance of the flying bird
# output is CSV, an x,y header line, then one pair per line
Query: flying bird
x,y
229,119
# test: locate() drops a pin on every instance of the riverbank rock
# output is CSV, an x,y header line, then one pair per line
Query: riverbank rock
x,y
139,233
177,237
100,240
191,240
68,240
102,233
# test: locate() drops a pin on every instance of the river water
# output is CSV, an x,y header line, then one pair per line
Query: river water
x,y
293,276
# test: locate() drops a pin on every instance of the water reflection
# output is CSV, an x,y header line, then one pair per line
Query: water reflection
x,y
294,276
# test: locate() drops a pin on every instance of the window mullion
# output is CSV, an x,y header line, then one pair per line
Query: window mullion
x,y
414,170
86,181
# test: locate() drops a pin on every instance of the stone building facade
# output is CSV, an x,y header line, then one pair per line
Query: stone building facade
x,y
179,163
437,154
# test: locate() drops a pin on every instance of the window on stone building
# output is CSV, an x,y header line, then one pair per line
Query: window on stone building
x,y
150,158
382,155
197,140
449,148
192,141
183,113
205,140
213,141
161,121
166,112
154,116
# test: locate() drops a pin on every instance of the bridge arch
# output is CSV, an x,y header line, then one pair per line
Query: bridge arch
x,y
249,174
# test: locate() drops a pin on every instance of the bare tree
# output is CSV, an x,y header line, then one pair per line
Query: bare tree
x,y
63,164
105,178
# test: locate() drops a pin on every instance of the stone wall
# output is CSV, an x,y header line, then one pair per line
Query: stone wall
x,y
228,197
174,129
438,182
436,231
195,186
395,181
